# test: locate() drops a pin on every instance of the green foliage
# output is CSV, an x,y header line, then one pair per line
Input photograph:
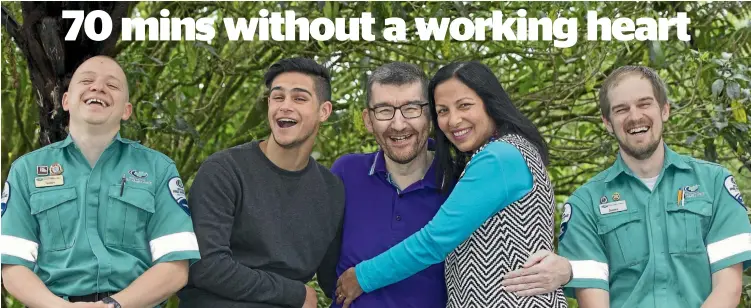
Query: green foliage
x,y
192,99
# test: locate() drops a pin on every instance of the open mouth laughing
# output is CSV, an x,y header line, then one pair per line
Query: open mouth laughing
x,y
286,122
96,102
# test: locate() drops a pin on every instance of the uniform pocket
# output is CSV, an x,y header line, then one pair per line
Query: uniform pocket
x,y
128,216
687,225
625,237
56,212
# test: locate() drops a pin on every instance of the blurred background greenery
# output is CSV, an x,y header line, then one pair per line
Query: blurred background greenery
x,y
192,99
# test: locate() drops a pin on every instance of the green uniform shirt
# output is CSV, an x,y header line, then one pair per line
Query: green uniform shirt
x,y
655,248
86,230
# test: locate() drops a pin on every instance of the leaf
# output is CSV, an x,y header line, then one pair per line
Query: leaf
x,y
740,76
446,47
739,114
733,90
717,86
691,139
157,61
208,48
720,124
656,55
328,9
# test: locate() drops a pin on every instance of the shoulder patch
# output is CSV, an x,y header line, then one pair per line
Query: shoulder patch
x,y
5,198
177,191
732,188
565,217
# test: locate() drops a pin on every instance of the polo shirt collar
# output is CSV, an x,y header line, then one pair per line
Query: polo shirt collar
x,y
671,159
379,166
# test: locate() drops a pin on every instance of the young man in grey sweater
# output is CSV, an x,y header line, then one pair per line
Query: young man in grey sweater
x,y
267,215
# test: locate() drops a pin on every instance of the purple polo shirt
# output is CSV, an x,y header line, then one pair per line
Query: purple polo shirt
x,y
378,216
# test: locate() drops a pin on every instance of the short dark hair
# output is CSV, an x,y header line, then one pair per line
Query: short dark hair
x,y
658,86
320,74
396,73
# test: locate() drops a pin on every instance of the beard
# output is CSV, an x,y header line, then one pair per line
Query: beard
x,y
640,152
404,155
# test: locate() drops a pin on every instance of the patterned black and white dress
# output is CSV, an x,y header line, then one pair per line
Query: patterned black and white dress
x,y
474,270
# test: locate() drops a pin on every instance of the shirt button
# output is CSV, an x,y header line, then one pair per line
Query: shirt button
x,y
398,218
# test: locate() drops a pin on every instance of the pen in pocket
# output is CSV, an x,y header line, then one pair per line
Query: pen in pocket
x,y
122,186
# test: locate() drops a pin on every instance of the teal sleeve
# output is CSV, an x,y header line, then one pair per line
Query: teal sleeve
x,y
171,235
580,243
496,177
729,236
20,235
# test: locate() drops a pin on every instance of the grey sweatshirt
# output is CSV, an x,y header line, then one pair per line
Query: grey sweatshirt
x,y
262,231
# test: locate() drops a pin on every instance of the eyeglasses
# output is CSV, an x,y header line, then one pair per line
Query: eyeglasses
x,y
409,111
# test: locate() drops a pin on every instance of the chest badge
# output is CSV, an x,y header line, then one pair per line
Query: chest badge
x,y
48,181
616,196
43,170
613,207
56,169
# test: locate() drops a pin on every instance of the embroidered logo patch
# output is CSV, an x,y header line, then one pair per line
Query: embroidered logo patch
x,y
692,191
5,198
139,177
138,174
733,190
565,217
177,191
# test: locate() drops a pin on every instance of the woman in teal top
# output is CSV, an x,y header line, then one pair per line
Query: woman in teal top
x,y
500,210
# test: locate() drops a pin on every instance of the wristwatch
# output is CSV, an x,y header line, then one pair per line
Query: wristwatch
x,y
110,300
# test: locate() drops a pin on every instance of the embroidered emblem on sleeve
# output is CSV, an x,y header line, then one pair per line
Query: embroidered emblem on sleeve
x,y
565,217
177,191
732,187
5,198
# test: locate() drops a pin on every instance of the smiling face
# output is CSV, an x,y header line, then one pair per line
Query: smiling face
x,y
400,138
294,111
462,116
98,95
636,118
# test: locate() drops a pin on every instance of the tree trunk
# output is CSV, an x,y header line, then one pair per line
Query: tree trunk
x,y
52,60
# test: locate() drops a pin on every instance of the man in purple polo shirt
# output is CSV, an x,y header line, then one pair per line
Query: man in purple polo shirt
x,y
392,193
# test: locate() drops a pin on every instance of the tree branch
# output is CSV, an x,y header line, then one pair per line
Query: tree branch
x,y
11,26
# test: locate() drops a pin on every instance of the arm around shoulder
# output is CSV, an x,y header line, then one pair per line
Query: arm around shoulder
x,y
463,212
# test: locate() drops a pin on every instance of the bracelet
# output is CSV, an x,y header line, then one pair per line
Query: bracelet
x,y
110,300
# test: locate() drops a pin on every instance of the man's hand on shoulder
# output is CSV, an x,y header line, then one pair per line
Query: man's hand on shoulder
x,y
311,298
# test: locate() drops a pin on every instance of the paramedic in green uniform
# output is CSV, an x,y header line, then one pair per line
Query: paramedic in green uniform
x,y
656,229
95,219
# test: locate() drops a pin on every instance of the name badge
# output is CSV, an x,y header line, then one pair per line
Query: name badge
x,y
48,181
612,207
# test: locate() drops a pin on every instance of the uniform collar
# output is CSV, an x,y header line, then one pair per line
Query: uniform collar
x,y
69,140
379,166
671,159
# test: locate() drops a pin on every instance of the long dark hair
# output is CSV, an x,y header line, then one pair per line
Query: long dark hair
x,y
507,118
